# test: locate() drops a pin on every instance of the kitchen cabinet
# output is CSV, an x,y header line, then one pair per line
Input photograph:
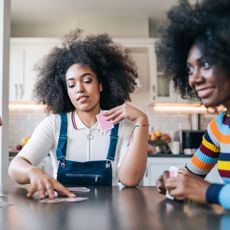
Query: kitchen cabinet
x,y
157,165
24,54
141,51
163,88
46,165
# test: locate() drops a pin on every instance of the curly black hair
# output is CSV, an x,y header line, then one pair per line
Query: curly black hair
x,y
114,69
206,23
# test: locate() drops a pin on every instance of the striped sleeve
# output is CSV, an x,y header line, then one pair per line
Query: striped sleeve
x,y
206,155
219,194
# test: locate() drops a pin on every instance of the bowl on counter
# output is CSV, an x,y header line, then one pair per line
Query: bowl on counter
x,y
158,146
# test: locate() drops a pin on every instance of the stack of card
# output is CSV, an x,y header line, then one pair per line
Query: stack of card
x,y
63,199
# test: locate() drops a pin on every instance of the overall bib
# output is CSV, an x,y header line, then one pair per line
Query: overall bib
x,y
74,173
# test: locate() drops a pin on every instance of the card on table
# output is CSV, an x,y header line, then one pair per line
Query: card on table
x,y
173,172
78,189
103,123
63,199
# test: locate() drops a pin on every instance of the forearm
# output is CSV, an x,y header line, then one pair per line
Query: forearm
x,y
133,166
19,170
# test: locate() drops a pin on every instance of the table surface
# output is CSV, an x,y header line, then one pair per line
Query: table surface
x,y
111,208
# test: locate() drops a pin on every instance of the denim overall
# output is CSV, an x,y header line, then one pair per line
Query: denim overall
x,y
72,173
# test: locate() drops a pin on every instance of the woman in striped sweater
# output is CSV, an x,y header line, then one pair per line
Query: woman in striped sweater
x,y
194,50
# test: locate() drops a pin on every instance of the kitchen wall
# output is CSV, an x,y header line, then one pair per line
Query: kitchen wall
x,y
23,121
116,27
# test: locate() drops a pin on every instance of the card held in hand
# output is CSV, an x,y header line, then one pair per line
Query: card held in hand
x,y
173,172
103,123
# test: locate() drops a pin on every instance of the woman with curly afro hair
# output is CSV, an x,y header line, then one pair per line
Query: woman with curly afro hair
x,y
93,135
194,51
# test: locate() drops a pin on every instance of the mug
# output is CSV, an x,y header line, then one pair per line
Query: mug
x,y
175,147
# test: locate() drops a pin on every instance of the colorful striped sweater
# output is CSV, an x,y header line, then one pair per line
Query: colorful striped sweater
x,y
215,149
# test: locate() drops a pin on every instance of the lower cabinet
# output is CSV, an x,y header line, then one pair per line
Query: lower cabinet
x,y
157,165
46,165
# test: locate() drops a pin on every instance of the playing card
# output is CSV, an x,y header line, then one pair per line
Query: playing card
x,y
74,199
78,189
63,199
173,172
103,123
54,201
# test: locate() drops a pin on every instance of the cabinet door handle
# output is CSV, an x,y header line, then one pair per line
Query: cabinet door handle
x,y
16,90
22,91
146,171
153,88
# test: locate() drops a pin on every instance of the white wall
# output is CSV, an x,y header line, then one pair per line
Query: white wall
x,y
4,85
116,27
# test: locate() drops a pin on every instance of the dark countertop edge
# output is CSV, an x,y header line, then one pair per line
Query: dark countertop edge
x,y
169,155
13,154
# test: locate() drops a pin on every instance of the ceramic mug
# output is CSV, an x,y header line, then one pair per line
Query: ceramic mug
x,y
175,147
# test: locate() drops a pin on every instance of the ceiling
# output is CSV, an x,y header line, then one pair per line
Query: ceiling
x,y
41,11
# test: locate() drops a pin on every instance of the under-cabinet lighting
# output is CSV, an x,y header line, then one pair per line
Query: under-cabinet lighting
x,y
189,108
168,107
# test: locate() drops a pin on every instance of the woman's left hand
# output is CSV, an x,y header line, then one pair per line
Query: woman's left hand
x,y
125,111
188,186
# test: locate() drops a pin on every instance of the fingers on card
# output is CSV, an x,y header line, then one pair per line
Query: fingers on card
x,y
103,123
173,172
66,199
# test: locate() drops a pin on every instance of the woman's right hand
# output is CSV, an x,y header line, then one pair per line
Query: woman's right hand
x,y
45,185
160,183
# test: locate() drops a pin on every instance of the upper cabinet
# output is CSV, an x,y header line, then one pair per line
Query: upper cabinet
x,y
141,50
24,54
163,89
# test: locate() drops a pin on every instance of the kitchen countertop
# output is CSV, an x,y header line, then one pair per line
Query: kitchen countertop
x,y
14,153
170,155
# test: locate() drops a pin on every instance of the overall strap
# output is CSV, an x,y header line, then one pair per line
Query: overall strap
x,y
62,142
113,143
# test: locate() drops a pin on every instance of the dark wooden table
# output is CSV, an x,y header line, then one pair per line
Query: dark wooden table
x,y
110,208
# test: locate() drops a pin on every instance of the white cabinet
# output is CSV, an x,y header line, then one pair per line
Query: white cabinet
x,y
16,72
141,51
46,165
24,54
163,89
157,165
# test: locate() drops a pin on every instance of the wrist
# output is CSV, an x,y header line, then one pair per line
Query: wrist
x,y
142,121
32,170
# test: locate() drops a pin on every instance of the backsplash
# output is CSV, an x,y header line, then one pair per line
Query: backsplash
x,y
23,122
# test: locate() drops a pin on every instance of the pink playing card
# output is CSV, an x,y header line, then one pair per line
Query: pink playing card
x,y
173,172
103,123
